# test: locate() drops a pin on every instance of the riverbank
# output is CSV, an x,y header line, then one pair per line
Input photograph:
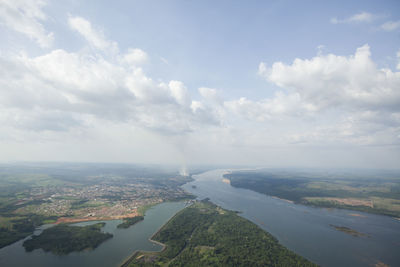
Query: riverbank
x,y
377,195
291,224
132,257
206,234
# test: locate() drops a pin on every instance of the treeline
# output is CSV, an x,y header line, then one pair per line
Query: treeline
x,y
205,235
130,221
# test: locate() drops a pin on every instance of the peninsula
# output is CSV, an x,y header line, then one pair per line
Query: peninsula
x,y
207,235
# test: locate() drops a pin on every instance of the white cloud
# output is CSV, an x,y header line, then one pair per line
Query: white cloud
x,y
328,100
135,57
179,93
330,81
362,17
75,87
398,59
391,26
25,16
94,37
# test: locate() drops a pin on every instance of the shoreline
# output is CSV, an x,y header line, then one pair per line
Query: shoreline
x,y
283,199
132,257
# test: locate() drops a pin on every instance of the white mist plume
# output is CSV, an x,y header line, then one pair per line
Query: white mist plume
x,y
183,171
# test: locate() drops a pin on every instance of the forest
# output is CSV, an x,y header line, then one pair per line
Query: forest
x,y
130,221
207,235
64,239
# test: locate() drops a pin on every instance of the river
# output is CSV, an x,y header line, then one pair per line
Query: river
x,y
303,229
307,230
112,252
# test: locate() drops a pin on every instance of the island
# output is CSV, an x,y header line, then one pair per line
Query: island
x,y
64,239
348,230
204,234
128,222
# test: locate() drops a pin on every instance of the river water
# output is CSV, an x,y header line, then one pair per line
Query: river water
x,y
112,252
307,230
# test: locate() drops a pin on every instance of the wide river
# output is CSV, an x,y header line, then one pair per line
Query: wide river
x,y
303,229
111,253
307,230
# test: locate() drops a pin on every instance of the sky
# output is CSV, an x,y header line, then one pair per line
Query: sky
x,y
261,83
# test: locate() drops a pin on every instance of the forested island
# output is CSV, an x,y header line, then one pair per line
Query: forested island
x,y
348,230
130,221
64,239
368,192
207,235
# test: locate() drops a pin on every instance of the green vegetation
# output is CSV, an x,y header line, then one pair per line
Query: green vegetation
x,y
363,192
206,235
347,230
63,238
14,228
130,221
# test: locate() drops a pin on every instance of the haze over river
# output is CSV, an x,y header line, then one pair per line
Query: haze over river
x,y
307,230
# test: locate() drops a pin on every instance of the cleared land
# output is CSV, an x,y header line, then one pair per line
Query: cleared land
x,y
206,235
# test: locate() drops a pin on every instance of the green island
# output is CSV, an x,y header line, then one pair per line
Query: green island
x,y
130,221
204,234
347,230
371,192
64,239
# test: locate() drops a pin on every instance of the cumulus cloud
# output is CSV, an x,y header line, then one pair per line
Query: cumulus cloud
x,y
329,81
390,26
61,90
327,100
365,98
324,100
362,17
26,17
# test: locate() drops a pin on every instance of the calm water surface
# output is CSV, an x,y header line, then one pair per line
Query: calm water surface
x,y
306,230
110,253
